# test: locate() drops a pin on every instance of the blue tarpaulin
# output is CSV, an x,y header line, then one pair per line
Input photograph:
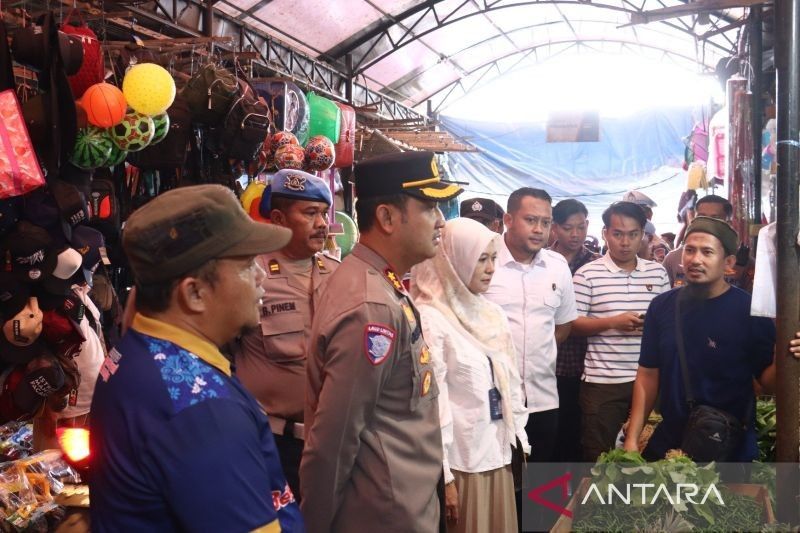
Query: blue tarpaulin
x,y
643,152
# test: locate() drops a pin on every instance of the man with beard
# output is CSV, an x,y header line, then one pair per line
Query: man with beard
x,y
725,347
271,360
177,443
373,455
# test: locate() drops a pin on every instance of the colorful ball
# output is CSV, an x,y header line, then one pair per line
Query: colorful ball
x,y
290,156
161,123
92,148
349,238
320,154
134,133
149,88
282,138
117,156
105,105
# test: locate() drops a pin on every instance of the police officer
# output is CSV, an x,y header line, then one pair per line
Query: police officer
x,y
271,362
485,211
373,456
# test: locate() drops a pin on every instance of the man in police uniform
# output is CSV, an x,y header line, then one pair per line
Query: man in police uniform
x,y
373,456
271,363
485,211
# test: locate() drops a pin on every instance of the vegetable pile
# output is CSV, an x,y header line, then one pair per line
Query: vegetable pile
x,y
653,510
765,429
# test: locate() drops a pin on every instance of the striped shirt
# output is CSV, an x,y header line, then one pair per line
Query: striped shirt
x,y
602,289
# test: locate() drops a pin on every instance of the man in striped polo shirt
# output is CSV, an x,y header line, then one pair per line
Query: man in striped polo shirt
x,y
612,295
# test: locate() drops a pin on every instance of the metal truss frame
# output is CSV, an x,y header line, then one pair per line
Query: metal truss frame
x,y
274,56
382,32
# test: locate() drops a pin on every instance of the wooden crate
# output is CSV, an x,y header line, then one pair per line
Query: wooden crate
x,y
758,492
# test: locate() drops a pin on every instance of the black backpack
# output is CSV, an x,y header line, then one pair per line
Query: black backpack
x,y
244,128
172,151
210,93
104,209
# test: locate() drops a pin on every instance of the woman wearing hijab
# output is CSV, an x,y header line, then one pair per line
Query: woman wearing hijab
x,y
480,391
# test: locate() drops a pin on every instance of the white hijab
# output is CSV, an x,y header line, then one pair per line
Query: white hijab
x,y
441,282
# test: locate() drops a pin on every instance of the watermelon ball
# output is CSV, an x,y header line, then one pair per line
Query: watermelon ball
x,y
134,133
161,123
320,154
117,156
92,148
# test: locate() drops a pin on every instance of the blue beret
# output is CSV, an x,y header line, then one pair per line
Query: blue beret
x,y
296,185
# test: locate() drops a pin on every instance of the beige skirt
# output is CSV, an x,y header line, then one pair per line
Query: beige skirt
x,y
485,502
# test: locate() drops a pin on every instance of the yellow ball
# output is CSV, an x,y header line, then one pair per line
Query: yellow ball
x,y
148,88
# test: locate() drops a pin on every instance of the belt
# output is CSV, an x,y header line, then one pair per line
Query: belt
x,y
286,428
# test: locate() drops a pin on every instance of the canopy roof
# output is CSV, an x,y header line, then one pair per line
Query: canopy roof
x,y
436,50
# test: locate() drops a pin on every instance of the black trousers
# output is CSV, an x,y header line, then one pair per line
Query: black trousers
x,y
290,451
542,430
568,440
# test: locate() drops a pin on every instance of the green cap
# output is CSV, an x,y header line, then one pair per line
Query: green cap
x,y
184,228
719,229
412,173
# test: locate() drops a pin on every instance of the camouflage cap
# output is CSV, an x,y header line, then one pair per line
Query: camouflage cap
x,y
184,228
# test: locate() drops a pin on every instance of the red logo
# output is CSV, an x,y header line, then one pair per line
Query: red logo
x,y
282,499
535,494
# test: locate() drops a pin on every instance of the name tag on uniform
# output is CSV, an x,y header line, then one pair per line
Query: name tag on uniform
x,y
495,404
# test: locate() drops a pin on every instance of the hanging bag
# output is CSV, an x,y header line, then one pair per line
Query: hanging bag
x,y
20,172
345,148
710,434
91,70
210,93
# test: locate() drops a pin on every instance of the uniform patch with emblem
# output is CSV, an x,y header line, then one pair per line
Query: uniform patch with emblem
x,y
424,356
274,267
426,382
295,182
477,206
378,342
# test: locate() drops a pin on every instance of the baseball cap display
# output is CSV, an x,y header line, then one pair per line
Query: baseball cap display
x,y
184,228
29,252
412,173
91,245
13,295
9,214
68,262
25,327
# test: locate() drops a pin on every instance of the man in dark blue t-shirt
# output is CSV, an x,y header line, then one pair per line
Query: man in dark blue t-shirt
x,y
725,347
177,443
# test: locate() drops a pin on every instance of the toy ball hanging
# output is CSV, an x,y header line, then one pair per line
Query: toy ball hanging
x,y
281,138
134,133
149,88
117,156
105,105
320,154
161,123
347,240
290,156
92,148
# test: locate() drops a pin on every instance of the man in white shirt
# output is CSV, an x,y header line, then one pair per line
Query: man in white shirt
x,y
534,287
612,295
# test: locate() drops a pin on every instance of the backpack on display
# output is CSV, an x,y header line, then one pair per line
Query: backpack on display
x,y
244,128
172,151
104,208
345,148
210,93
91,70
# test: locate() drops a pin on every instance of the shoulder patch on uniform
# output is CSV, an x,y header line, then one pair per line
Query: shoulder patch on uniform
x,y
378,342
274,266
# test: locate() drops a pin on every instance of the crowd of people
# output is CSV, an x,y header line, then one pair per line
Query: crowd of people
x,y
348,400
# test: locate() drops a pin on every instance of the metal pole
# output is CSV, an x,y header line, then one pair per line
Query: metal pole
x,y
756,63
208,18
787,49
348,84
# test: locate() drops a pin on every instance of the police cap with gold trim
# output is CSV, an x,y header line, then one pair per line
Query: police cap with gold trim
x,y
412,173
